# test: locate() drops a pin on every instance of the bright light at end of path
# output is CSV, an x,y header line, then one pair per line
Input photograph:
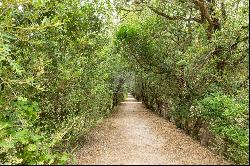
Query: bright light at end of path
x,y
130,98
131,102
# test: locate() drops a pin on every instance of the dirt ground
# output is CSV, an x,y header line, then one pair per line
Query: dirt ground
x,y
134,135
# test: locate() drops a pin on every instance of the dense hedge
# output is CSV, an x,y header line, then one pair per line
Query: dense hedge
x,y
194,73
56,76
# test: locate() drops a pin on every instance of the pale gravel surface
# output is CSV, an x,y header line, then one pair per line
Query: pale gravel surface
x,y
134,135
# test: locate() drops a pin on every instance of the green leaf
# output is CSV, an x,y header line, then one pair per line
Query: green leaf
x,y
22,136
64,158
31,147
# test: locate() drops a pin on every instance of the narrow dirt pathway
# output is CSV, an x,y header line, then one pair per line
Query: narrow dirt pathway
x,y
134,135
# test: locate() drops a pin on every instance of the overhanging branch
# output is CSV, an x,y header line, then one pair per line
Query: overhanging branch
x,y
173,17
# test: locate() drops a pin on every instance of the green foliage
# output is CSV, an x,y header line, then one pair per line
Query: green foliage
x,y
227,120
127,33
223,107
194,72
19,141
57,68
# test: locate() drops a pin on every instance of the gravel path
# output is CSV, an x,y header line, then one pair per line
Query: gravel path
x,y
134,135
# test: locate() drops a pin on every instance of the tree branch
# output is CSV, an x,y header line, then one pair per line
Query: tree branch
x,y
173,17
201,4
131,10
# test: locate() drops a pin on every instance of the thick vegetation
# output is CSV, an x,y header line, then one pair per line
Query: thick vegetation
x,y
64,66
57,77
191,61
